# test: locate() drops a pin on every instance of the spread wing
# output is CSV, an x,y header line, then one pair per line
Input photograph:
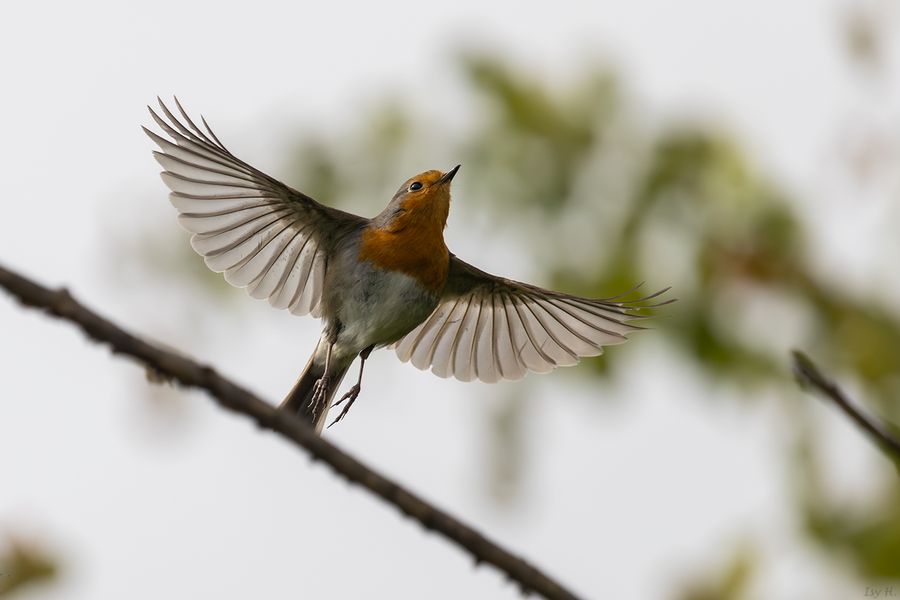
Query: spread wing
x,y
263,235
490,328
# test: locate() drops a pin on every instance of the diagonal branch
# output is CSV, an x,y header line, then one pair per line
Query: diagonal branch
x,y
810,375
61,304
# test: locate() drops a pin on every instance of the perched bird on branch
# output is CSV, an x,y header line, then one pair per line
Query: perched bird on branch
x,y
385,281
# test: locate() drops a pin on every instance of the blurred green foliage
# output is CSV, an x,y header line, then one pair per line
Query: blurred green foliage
x,y
22,565
731,582
578,173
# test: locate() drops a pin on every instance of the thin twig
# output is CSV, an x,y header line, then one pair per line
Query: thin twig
x,y
810,375
61,304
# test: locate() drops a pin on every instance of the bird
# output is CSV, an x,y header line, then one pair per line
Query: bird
x,y
383,282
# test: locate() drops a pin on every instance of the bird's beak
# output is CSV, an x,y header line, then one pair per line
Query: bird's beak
x,y
448,176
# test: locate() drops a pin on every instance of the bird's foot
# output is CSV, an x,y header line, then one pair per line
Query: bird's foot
x,y
320,391
350,396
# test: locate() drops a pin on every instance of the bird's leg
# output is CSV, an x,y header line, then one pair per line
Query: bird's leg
x,y
320,389
354,391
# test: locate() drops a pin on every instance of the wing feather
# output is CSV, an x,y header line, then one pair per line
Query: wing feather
x,y
485,349
531,352
289,280
564,355
265,284
463,350
506,354
489,328
422,350
447,338
263,235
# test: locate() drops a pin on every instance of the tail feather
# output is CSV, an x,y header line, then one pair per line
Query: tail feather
x,y
299,399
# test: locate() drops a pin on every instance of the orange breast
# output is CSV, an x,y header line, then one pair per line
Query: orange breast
x,y
419,252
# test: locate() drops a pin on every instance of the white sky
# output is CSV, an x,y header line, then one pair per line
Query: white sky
x,y
622,499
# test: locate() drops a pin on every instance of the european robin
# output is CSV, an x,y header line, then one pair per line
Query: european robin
x,y
385,281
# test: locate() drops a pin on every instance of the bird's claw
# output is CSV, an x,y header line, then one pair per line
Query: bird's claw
x,y
320,390
351,396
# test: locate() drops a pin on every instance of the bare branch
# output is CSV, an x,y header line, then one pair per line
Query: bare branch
x,y
233,397
810,375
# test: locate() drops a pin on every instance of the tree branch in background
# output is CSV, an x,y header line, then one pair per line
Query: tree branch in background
x,y
235,398
809,375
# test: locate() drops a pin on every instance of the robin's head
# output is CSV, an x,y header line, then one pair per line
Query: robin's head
x,y
422,200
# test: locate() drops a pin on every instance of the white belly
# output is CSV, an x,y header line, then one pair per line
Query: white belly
x,y
380,308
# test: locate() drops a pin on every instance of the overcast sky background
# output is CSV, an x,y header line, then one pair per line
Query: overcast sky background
x,y
200,503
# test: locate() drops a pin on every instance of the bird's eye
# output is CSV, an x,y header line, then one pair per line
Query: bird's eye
x,y
414,186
